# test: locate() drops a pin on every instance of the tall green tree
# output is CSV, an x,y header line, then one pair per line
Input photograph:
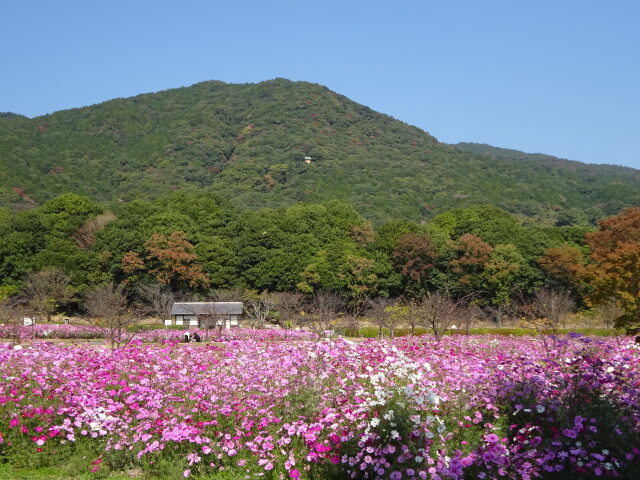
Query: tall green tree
x,y
504,274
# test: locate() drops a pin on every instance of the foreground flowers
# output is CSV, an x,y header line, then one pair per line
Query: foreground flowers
x,y
469,407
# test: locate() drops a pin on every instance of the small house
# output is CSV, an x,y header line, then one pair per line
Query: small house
x,y
207,314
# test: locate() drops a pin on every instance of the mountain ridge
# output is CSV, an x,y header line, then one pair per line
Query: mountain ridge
x,y
514,154
278,142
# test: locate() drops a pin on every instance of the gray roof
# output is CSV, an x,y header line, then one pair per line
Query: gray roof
x,y
207,308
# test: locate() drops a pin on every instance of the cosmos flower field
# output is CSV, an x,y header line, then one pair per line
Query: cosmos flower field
x,y
291,408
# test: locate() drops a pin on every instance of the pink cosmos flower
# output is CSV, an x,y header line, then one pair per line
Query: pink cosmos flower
x,y
492,438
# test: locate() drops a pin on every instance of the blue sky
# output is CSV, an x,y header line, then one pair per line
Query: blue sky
x,y
559,77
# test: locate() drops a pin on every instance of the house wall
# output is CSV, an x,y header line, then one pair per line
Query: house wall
x,y
187,320
208,321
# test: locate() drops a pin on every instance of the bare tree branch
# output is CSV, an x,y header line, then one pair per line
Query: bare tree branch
x,y
157,299
289,306
46,290
438,312
547,310
325,306
107,308
258,307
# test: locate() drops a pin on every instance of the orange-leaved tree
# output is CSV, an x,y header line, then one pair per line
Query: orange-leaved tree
x,y
415,256
565,265
614,274
171,260
472,253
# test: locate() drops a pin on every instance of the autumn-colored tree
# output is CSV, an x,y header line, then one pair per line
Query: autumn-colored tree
x,y
564,264
472,253
361,235
171,260
615,271
85,236
131,263
414,256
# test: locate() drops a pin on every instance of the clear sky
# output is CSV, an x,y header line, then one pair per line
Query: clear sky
x,y
552,76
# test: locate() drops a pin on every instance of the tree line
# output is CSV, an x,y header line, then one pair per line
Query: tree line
x,y
198,245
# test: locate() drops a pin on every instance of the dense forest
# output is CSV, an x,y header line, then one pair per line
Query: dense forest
x,y
277,143
288,187
198,243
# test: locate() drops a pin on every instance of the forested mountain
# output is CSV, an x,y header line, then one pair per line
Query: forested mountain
x,y
279,142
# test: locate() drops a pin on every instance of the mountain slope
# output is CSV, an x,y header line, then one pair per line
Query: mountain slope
x,y
279,142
